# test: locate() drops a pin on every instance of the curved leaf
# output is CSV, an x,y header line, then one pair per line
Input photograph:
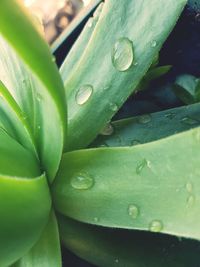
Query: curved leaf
x,y
38,91
150,127
107,247
46,252
147,187
24,207
146,27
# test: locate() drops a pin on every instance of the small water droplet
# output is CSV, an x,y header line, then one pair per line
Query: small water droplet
x,y
83,94
39,97
82,181
107,130
170,115
144,118
53,59
116,260
90,22
189,187
135,142
135,63
122,54
39,127
189,121
190,200
104,145
156,226
153,43
133,211
144,163
113,107
96,219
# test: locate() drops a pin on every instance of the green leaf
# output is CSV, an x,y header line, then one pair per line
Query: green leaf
x,y
147,187
24,208
187,88
150,127
74,57
15,160
13,121
107,247
151,75
96,76
46,252
36,87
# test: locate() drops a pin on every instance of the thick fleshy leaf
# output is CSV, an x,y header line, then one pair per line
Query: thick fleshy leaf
x,y
74,57
13,121
37,90
107,247
150,127
122,47
24,208
147,187
46,252
187,88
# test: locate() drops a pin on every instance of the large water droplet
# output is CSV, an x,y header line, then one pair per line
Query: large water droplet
x,y
107,130
189,187
133,211
82,181
122,54
141,165
156,226
189,121
144,118
83,94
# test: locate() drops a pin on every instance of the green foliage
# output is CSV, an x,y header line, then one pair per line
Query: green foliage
x,y
140,173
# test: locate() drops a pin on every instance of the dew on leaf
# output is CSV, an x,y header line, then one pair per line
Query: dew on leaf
x,y
144,118
82,181
189,121
83,94
122,54
133,211
107,130
156,226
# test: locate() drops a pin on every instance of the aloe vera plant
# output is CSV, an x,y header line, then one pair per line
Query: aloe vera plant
x,y
59,181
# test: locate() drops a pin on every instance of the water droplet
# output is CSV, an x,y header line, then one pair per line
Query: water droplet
x,y
189,121
113,107
107,130
96,219
153,43
135,64
122,54
53,59
83,94
190,200
144,118
39,97
189,187
82,181
170,115
133,211
90,22
135,142
155,226
144,163
39,127
116,260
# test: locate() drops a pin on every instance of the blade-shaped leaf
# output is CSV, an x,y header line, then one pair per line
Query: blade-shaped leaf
x,y
46,252
107,247
39,90
150,127
147,187
77,51
14,121
137,27
24,208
